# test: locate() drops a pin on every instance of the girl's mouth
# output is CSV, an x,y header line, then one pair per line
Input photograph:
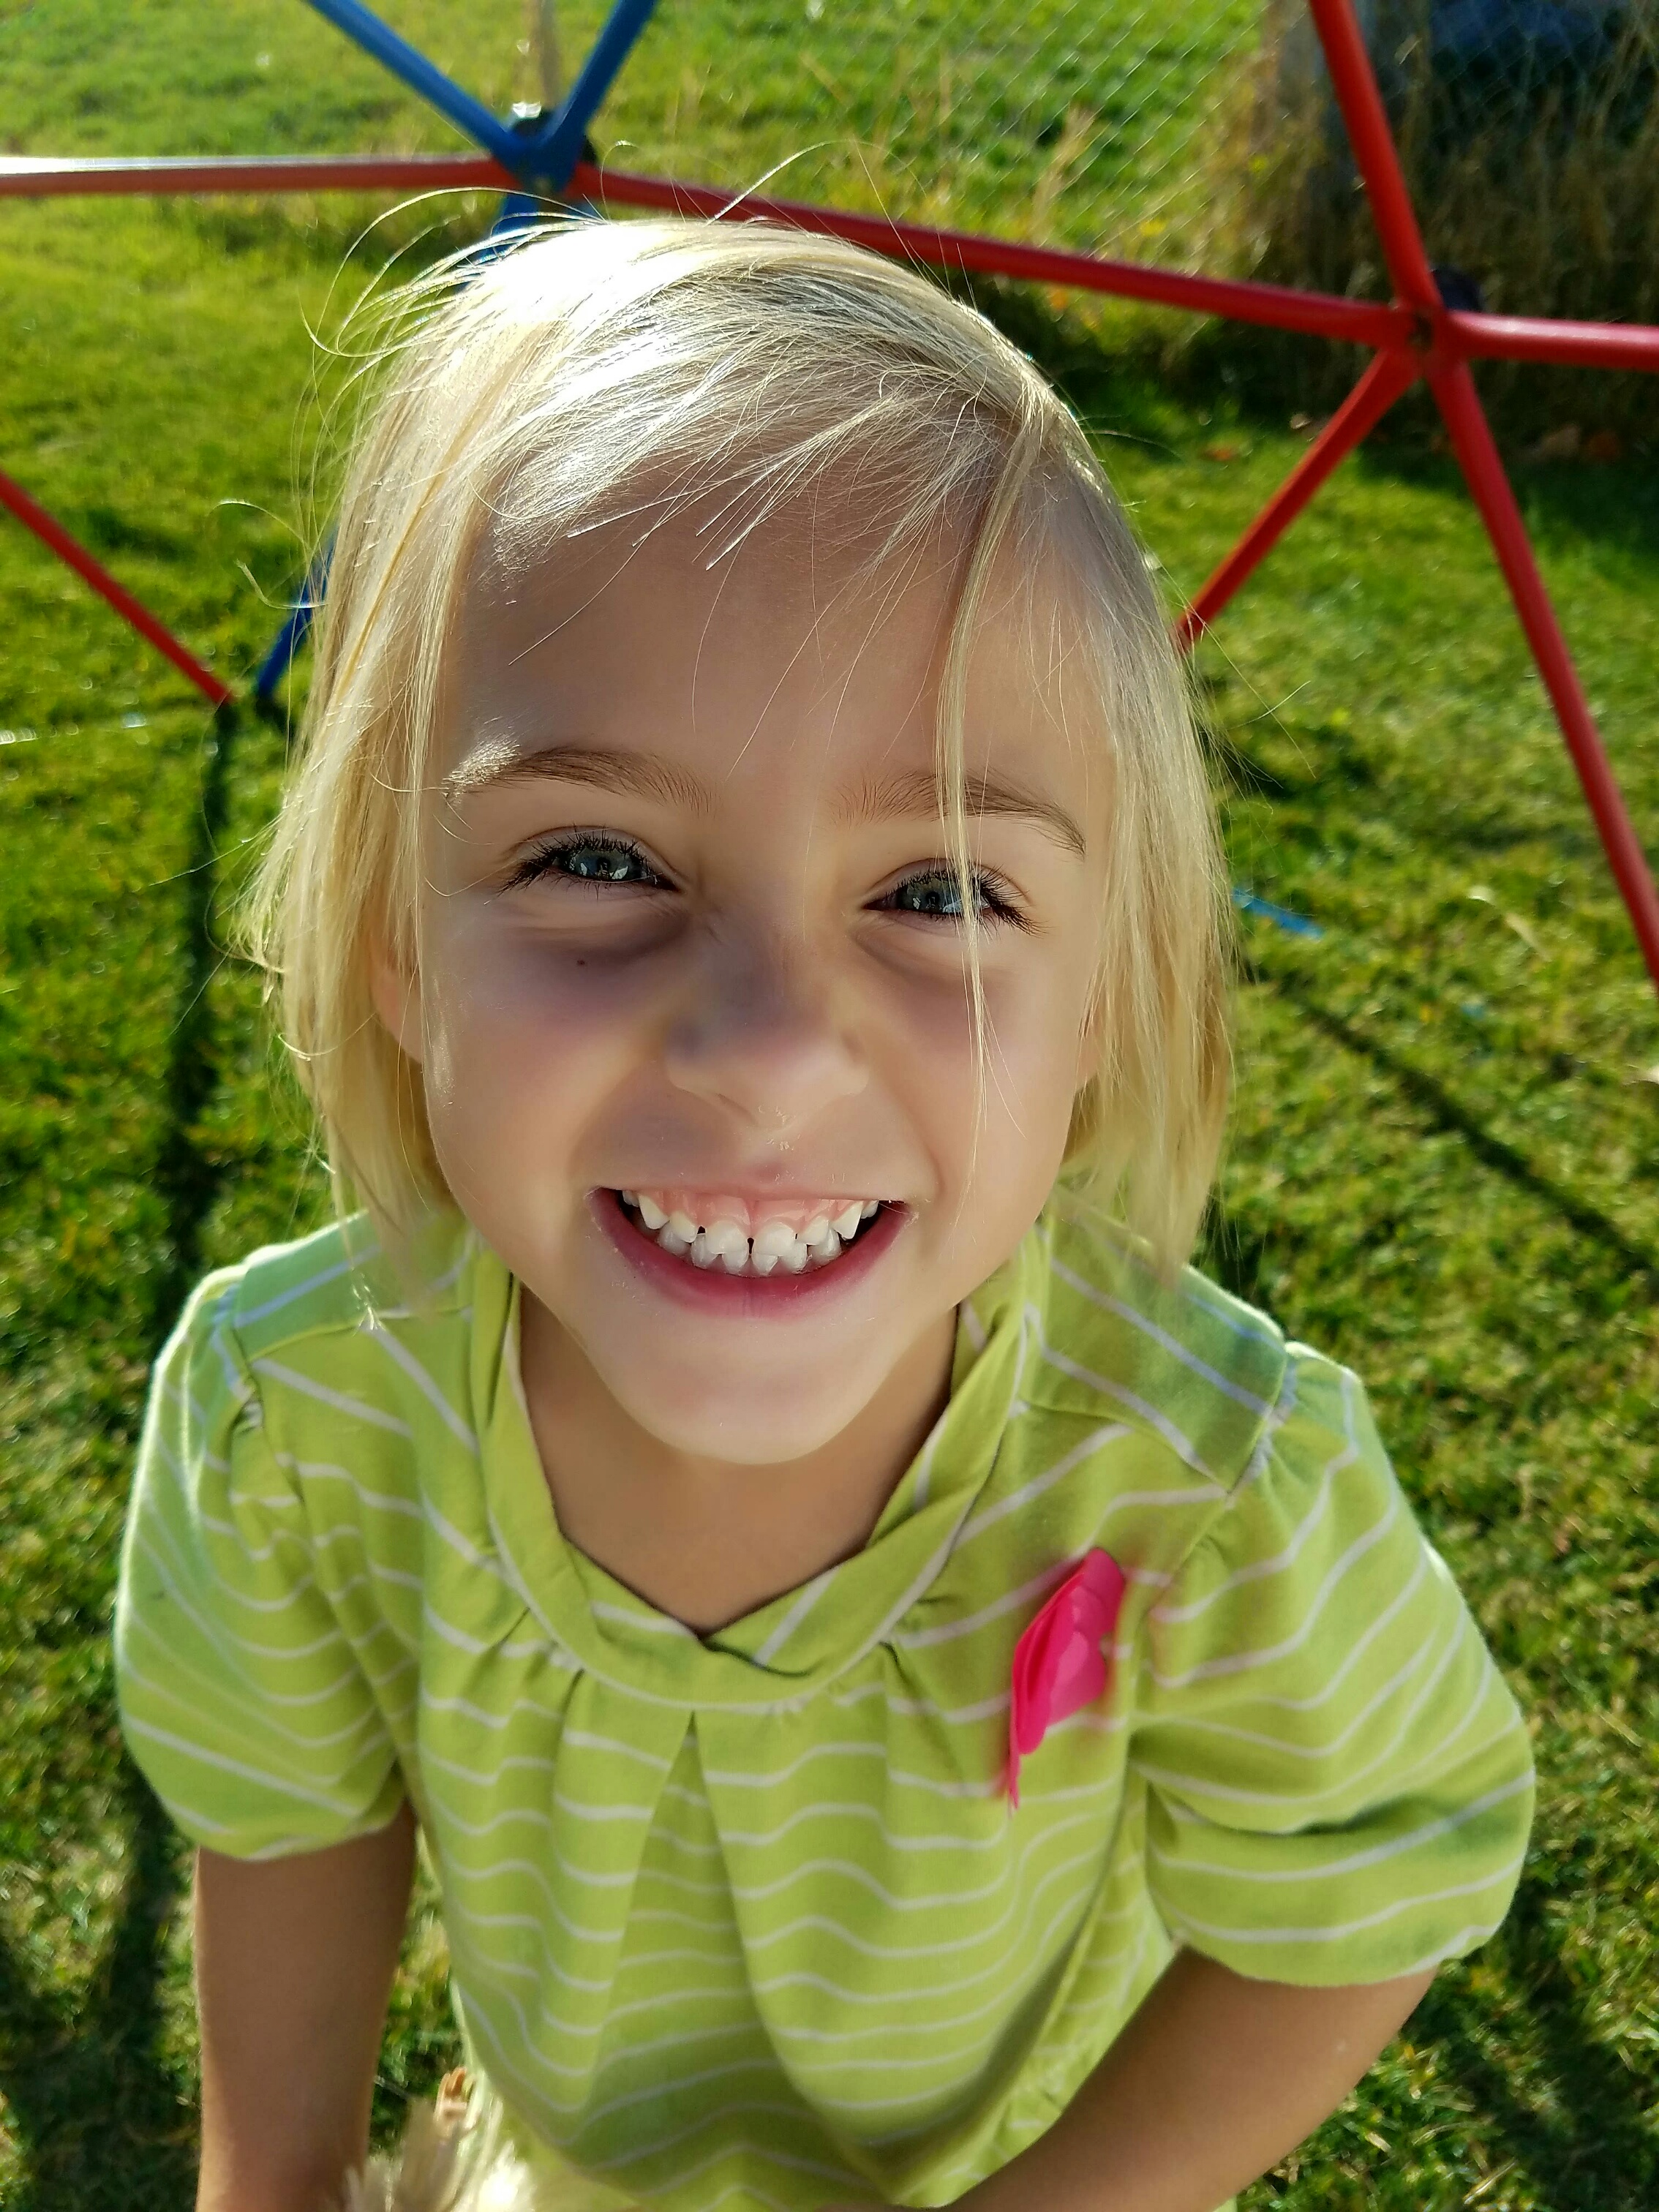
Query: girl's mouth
x,y
754,1239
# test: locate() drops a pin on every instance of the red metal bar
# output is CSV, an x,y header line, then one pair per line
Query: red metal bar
x,y
1525,338
1354,83
1472,442
1277,306
1391,373
1510,337
1503,337
36,177
53,535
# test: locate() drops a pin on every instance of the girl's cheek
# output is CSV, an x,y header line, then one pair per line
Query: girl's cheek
x,y
1032,1007
1018,1103
568,984
524,1026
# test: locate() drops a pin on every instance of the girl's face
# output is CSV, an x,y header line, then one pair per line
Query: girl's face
x,y
698,1043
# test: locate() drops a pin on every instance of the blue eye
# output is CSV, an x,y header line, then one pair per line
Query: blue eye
x,y
936,894
587,859
939,895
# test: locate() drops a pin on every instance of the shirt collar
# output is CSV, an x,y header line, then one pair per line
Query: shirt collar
x,y
804,1638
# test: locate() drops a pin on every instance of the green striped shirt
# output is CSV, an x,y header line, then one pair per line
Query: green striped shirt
x,y
746,1919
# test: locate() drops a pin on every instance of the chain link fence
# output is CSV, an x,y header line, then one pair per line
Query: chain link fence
x,y
1075,123
1528,131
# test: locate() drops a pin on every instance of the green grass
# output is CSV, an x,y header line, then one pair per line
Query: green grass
x,y
1444,1162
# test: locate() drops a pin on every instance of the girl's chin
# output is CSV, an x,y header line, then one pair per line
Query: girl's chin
x,y
761,1425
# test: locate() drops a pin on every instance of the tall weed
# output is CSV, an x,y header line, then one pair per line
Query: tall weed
x,y
1533,163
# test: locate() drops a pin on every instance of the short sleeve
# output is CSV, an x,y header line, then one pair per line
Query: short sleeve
x,y
1339,1782
241,1698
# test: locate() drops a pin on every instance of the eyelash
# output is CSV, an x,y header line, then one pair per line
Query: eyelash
x,y
539,861
992,894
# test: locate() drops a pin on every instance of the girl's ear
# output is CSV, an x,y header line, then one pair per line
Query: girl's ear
x,y
395,992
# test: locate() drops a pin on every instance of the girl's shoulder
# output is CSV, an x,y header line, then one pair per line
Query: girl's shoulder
x,y
297,1333
1190,1366
276,1534
337,1281
1228,1456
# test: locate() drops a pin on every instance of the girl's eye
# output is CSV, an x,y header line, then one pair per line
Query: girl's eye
x,y
937,894
587,859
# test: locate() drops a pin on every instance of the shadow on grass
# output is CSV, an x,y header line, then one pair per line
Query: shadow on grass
x,y
1593,2154
102,2119
186,1176
1439,1105
1564,501
103,2122
1242,1259
1261,378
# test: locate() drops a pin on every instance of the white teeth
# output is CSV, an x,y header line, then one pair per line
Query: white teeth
x,y
723,1243
630,1198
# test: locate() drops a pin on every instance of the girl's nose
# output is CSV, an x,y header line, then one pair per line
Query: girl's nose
x,y
762,1042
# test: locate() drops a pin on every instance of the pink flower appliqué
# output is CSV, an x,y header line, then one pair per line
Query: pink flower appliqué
x,y
1058,1665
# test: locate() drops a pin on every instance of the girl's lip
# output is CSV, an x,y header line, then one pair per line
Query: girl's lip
x,y
712,1290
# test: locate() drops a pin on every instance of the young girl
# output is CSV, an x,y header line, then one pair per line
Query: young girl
x,y
909,1696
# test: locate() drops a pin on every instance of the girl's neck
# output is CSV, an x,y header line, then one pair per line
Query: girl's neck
x,y
709,1540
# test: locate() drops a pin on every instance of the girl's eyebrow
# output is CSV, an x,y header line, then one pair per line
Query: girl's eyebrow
x,y
920,793
646,775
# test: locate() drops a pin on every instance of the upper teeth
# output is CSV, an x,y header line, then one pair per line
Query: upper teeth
x,y
817,1233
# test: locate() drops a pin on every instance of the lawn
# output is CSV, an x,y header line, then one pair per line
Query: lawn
x,y
1444,1161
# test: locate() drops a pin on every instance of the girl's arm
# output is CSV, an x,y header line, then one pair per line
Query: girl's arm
x,y
293,1963
1213,2081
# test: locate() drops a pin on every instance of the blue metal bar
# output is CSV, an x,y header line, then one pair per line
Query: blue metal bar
x,y
283,647
1294,925
551,152
537,153
407,62
555,150
302,613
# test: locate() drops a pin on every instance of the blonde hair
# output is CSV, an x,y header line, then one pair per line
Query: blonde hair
x,y
528,396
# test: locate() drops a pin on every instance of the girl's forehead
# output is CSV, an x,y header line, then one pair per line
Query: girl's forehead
x,y
795,651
